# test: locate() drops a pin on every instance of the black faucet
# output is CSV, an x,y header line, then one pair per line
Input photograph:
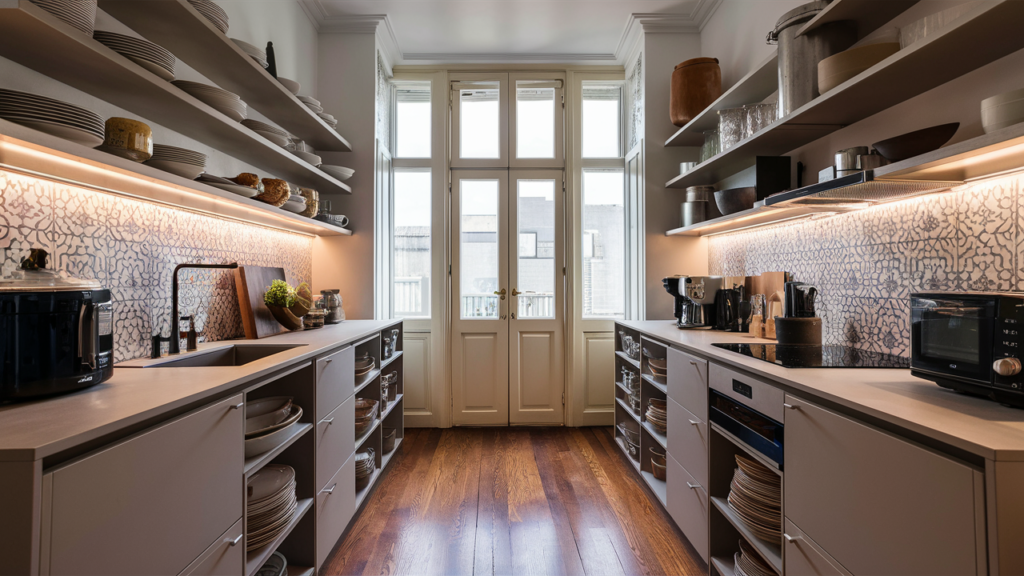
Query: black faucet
x,y
175,344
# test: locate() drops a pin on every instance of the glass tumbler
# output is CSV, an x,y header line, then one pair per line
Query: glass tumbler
x,y
711,147
731,126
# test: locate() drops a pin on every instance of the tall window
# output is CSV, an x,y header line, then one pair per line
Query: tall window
x,y
412,120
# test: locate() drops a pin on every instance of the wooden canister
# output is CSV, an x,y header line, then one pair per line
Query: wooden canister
x,y
696,83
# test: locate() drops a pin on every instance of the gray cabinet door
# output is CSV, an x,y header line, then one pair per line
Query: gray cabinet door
x,y
225,557
688,441
335,380
688,382
335,441
805,558
687,503
152,503
876,503
335,506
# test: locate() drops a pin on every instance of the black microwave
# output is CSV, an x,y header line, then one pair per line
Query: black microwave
x,y
969,342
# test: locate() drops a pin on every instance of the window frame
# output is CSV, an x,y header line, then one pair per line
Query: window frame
x,y
458,82
554,80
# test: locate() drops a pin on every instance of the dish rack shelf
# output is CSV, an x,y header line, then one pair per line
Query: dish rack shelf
x,y
180,28
29,151
34,38
990,30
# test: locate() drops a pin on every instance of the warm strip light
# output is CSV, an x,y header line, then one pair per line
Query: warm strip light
x,y
109,171
781,221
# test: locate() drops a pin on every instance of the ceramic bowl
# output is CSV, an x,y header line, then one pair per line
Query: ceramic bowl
x,y
128,138
1003,110
839,68
916,143
294,413
260,444
291,85
735,200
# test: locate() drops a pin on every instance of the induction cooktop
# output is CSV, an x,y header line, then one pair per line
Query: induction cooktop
x,y
829,356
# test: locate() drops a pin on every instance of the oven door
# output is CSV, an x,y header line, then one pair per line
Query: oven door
x,y
952,335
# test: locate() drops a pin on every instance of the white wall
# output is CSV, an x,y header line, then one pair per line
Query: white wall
x,y
736,33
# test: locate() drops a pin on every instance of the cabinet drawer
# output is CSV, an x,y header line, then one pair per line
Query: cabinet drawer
x,y
688,441
335,441
152,503
805,558
335,506
335,380
753,392
876,503
688,382
225,556
688,506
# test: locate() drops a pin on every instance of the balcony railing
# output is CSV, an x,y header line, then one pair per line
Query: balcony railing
x,y
531,305
412,296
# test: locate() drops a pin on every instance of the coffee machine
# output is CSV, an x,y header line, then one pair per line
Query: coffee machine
x,y
695,299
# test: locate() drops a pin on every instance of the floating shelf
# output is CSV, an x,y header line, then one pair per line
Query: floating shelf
x,y
990,31
26,150
753,218
178,27
255,559
771,552
987,155
34,38
870,15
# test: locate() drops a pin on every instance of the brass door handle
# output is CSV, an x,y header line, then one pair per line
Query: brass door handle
x,y
516,292
501,293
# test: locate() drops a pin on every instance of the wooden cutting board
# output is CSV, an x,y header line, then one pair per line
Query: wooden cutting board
x,y
250,283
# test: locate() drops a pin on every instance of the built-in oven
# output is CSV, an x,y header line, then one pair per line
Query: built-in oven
x,y
761,433
969,342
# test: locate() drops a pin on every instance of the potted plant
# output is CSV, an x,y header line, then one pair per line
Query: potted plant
x,y
279,299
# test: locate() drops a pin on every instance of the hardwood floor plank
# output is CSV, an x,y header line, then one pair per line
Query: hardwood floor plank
x,y
493,551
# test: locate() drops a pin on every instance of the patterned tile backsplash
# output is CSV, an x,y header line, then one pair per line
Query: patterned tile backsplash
x,y
866,263
132,247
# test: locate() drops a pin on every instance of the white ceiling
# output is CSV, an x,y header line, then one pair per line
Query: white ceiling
x,y
506,30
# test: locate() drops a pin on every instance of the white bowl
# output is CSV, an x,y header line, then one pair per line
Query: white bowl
x,y
262,444
312,159
339,172
189,171
1002,115
291,85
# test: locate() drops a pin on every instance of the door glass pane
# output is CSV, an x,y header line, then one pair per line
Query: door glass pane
x,y
412,243
478,248
536,217
479,123
412,120
601,121
604,244
535,121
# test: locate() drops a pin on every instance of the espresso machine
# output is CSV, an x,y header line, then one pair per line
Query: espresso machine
x,y
695,299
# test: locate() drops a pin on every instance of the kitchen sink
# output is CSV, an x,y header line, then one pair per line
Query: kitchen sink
x,y
233,355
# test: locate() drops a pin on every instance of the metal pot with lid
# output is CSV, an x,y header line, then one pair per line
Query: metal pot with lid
x,y
799,55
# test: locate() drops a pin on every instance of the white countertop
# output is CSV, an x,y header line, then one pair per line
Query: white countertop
x,y
975,425
37,429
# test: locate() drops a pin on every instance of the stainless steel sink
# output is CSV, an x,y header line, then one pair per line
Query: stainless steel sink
x,y
233,355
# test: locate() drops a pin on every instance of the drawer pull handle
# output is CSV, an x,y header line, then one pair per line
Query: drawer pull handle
x,y
328,421
692,486
694,364
695,422
789,538
790,407
235,541
238,406
329,490
329,360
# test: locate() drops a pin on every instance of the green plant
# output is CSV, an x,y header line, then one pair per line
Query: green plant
x,y
279,294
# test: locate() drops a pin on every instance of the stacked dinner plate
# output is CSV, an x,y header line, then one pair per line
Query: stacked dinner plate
x,y
339,172
154,58
268,423
276,135
364,364
657,414
749,563
215,14
269,504
312,103
78,13
330,120
365,465
366,414
227,185
311,159
255,53
756,496
220,99
183,162
52,116
296,203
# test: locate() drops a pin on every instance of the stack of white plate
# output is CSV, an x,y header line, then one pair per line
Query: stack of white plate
x,y
366,463
220,99
747,562
296,203
215,14
80,14
364,364
255,53
339,172
181,161
330,120
312,159
269,504
268,423
756,496
52,116
276,135
312,103
228,185
154,58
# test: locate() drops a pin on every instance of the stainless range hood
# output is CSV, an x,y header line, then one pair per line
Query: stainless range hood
x,y
858,189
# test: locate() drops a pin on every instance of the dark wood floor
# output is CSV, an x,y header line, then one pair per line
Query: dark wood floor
x,y
512,501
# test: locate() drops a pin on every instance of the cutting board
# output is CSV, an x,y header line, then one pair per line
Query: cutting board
x,y
250,283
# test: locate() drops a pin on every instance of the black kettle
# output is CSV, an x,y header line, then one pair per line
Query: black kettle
x,y
728,316
800,298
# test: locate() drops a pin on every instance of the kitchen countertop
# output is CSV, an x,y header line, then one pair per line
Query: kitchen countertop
x,y
975,425
40,428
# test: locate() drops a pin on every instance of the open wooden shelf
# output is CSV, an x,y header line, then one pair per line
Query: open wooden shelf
x,y
29,151
771,552
991,31
254,464
34,38
725,566
178,27
254,560
869,15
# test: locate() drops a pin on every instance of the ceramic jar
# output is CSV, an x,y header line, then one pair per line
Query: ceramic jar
x,y
696,83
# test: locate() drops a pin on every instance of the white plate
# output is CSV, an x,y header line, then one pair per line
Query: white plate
x,y
268,482
188,171
47,116
339,172
254,124
309,100
235,189
293,416
257,446
160,71
281,141
294,206
64,131
198,87
312,159
291,85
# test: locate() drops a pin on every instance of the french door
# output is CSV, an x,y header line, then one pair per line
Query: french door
x,y
508,297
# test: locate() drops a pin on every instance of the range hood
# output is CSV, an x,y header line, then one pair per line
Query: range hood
x,y
856,190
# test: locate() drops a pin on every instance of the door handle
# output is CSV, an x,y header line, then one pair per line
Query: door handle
x,y
516,292
513,315
501,293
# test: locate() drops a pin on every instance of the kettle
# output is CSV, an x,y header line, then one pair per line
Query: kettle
x,y
727,310
800,299
332,303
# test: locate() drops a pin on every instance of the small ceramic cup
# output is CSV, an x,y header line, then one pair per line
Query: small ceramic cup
x,y
128,138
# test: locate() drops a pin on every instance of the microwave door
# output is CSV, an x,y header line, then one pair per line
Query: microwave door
x,y
953,337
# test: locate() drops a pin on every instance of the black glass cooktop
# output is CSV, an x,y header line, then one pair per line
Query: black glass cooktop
x,y
831,356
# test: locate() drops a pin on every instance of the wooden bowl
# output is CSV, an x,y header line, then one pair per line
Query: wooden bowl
x,y
916,143
839,68
285,317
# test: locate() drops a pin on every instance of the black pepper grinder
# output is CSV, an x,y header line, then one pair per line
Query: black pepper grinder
x,y
271,60
192,338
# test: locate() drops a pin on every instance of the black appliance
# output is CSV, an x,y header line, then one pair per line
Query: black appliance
x,y
694,299
969,342
829,356
800,298
56,333
758,431
729,307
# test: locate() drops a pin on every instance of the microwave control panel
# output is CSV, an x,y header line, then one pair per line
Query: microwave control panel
x,y
1007,344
